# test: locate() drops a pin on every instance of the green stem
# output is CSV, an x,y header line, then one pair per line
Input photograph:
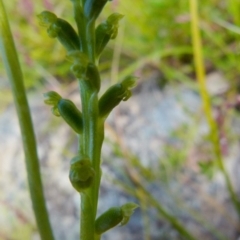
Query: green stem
x,y
87,37
90,145
11,63
86,30
79,18
200,71
89,45
90,141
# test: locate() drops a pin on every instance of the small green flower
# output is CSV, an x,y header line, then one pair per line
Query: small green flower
x,y
114,216
107,30
115,94
60,29
81,173
66,109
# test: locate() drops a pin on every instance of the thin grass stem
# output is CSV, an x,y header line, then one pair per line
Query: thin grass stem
x,y
12,66
200,72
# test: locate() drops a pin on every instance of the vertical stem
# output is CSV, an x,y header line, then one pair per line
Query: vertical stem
x,y
200,71
90,141
90,40
86,30
90,145
78,15
87,38
10,60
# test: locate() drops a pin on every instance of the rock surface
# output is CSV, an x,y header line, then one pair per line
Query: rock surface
x,y
142,128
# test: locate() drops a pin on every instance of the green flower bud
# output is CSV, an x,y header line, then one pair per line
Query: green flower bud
x,y
52,98
114,216
78,70
71,114
114,18
129,82
128,210
55,111
106,31
92,75
92,8
53,30
81,173
103,35
60,29
109,219
65,34
66,109
47,18
80,62
115,94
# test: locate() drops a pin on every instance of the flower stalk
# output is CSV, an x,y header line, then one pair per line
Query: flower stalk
x,y
88,123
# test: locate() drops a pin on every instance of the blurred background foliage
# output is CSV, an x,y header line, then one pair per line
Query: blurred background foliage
x,y
153,36
153,32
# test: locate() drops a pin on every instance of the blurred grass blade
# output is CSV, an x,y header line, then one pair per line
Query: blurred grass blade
x,y
227,25
234,10
200,72
12,66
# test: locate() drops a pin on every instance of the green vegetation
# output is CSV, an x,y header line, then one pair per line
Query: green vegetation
x,y
176,38
84,48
